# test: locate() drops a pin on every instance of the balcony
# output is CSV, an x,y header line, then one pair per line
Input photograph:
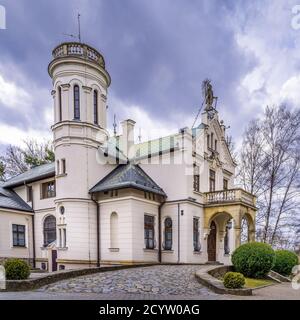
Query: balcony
x,y
230,196
76,49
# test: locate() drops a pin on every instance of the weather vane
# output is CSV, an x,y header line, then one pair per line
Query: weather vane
x,y
79,30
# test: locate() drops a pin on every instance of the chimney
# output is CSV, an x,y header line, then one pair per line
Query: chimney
x,y
127,140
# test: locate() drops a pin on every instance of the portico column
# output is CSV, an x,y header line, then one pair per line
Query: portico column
x,y
221,242
237,235
206,232
251,235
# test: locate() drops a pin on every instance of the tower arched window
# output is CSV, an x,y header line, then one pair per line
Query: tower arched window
x,y
59,104
49,230
168,236
114,232
95,107
76,102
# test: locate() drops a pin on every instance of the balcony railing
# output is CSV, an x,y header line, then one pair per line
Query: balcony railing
x,y
229,196
79,50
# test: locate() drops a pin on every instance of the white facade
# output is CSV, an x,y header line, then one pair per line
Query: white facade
x,y
125,224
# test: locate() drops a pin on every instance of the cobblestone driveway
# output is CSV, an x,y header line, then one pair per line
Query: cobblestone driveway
x,y
155,280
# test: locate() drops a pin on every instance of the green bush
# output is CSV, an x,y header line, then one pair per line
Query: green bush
x,y
16,269
285,260
234,280
254,259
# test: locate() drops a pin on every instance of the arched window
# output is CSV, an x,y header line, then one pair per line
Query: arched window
x,y
49,230
114,230
95,106
76,103
59,104
168,234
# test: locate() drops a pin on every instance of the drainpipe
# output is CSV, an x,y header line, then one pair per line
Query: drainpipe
x,y
159,230
33,228
98,231
178,217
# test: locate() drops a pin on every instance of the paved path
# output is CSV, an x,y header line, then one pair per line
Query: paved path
x,y
154,280
146,283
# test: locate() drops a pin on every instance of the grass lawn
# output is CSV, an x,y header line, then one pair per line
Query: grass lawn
x,y
253,283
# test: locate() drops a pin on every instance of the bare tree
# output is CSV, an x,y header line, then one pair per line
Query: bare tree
x,y
270,168
17,160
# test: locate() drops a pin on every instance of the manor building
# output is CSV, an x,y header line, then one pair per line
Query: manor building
x,y
109,200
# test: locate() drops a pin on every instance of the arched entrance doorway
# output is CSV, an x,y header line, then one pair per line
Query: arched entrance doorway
x,y
212,242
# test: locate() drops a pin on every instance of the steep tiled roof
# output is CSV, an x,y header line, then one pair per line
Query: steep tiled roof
x,y
128,176
37,173
10,200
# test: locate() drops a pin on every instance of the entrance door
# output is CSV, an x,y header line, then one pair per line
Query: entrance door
x,y
54,263
211,242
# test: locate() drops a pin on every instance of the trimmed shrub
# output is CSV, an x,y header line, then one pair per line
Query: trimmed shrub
x,y
254,259
234,280
16,269
285,260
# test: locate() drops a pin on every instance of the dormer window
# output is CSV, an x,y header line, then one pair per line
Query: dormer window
x,y
76,103
95,107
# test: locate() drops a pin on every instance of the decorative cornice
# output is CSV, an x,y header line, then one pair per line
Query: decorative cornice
x,y
87,89
65,86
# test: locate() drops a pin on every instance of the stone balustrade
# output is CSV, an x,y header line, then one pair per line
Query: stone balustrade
x,y
229,196
80,50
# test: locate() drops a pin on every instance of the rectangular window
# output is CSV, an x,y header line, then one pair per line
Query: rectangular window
x,y
65,237
196,179
196,234
29,193
48,190
63,166
208,141
60,239
18,235
216,144
149,231
225,184
212,141
212,180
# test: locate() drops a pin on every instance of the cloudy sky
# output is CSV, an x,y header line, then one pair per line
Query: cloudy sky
x,y
157,53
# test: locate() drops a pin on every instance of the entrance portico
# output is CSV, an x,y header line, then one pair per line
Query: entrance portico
x,y
224,212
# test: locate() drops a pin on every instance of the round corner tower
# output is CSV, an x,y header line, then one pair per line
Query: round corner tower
x,y
80,83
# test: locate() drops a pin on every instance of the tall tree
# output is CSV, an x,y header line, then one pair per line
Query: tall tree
x,y
270,168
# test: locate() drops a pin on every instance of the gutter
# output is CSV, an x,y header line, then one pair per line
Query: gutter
x,y
33,227
98,231
178,217
159,230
